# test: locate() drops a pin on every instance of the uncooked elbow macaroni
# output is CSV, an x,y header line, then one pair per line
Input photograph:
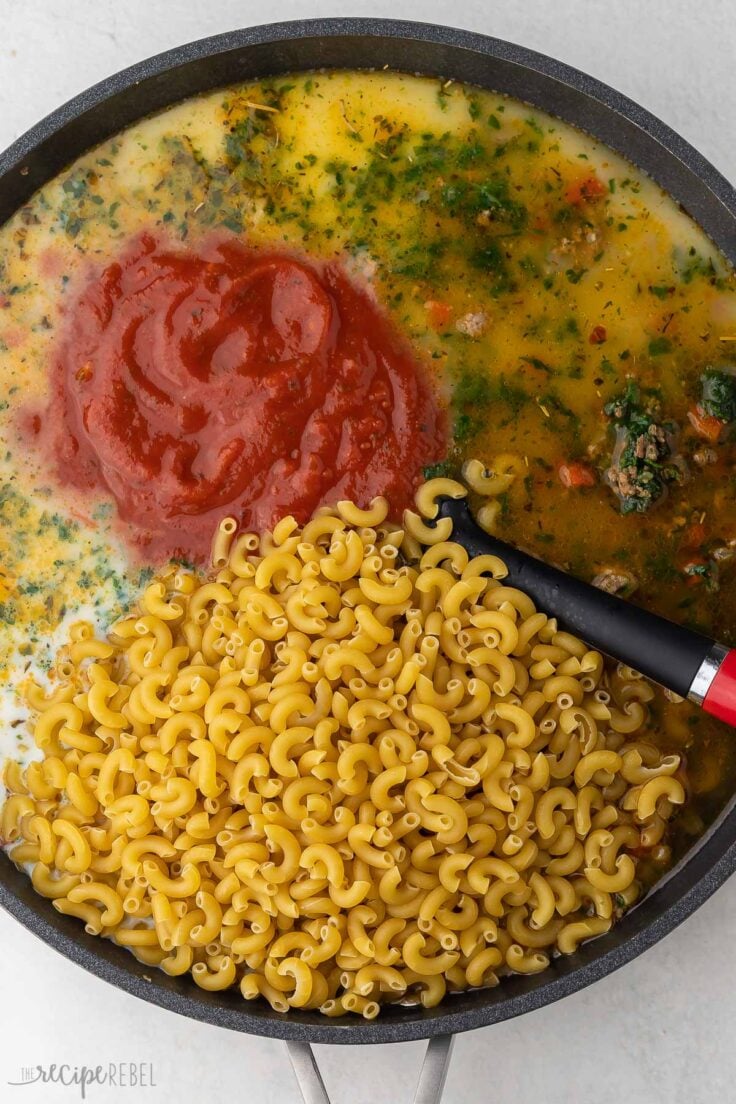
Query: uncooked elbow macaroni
x,y
350,767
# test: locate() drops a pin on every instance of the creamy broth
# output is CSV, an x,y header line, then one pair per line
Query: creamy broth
x,y
534,271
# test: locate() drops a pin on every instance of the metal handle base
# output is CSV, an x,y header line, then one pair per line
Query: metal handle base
x,y
431,1082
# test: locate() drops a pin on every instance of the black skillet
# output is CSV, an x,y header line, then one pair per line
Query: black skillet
x,y
578,99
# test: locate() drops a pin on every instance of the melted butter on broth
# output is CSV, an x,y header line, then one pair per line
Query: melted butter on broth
x,y
532,296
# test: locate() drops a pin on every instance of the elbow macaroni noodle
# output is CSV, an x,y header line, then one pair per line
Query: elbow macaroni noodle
x,y
349,768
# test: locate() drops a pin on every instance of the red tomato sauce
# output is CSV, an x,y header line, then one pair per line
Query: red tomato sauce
x,y
192,385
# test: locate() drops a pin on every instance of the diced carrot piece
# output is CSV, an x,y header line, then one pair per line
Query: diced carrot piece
x,y
576,474
705,425
694,535
439,313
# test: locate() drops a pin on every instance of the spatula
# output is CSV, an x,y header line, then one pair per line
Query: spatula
x,y
686,662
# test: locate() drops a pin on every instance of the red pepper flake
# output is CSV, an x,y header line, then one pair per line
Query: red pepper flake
x,y
597,335
84,373
584,190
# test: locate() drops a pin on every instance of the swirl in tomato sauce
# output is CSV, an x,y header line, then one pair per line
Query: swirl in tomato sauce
x,y
192,385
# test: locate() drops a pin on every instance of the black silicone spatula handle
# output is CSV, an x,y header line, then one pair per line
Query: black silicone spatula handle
x,y
675,657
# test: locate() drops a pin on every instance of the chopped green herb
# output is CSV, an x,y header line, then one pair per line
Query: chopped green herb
x,y
719,393
643,462
442,469
660,345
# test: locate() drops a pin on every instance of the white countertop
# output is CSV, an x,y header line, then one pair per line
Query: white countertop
x,y
660,1031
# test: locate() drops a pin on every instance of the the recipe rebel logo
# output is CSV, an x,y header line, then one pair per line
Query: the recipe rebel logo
x,y
117,1075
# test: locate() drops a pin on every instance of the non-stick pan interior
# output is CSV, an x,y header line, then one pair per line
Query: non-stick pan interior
x,y
418,48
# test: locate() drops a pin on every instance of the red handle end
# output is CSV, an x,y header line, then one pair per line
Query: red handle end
x,y
720,699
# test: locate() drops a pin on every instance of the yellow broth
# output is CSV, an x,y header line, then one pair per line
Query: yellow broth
x,y
533,295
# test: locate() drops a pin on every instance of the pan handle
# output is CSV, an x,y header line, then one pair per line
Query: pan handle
x,y
431,1078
